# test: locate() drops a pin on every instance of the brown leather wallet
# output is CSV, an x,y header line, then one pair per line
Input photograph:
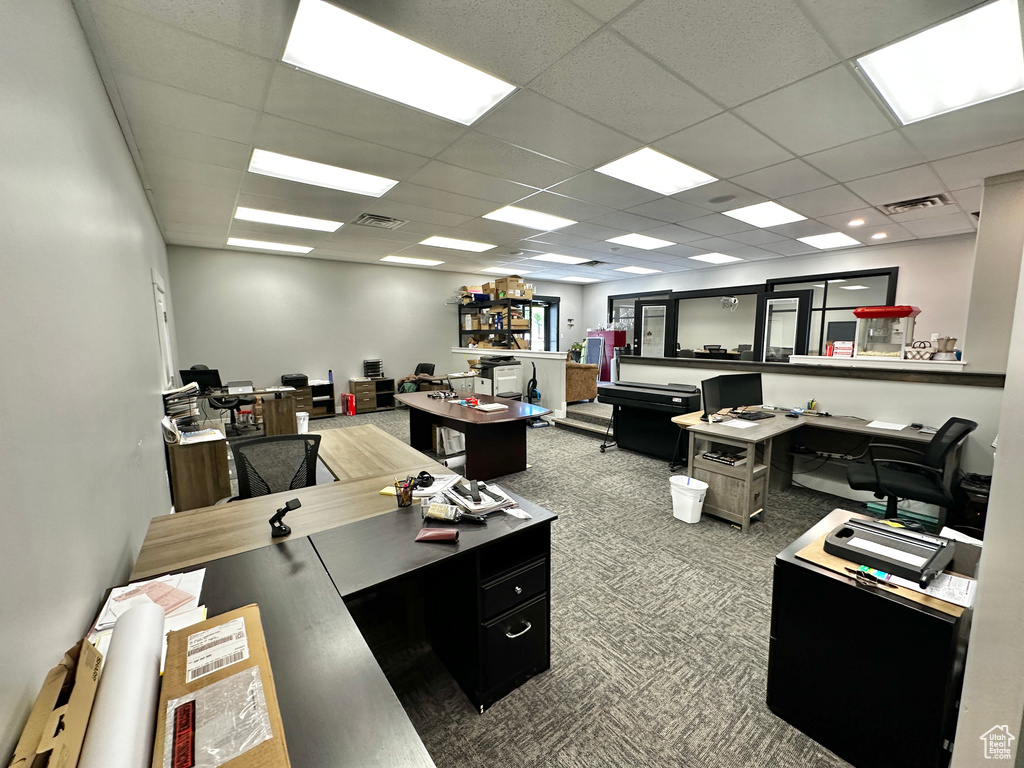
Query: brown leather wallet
x,y
438,534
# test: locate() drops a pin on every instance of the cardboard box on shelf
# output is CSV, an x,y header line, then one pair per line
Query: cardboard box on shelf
x,y
471,289
487,288
55,730
212,669
520,322
518,342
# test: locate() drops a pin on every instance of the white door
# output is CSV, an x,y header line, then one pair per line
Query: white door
x,y
163,330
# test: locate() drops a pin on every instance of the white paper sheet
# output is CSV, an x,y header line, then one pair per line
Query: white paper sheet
x,y
949,533
121,727
191,582
739,424
958,590
887,425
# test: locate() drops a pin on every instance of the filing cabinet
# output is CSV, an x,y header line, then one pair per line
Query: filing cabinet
x,y
376,394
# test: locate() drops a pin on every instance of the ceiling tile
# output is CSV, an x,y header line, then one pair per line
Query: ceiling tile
x,y
683,250
536,123
177,237
711,147
259,28
310,143
842,112
439,199
756,237
968,199
789,248
675,233
314,100
344,209
613,83
750,252
627,221
716,245
872,218
566,207
492,156
515,41
160,166
789,178
669,210
926,213
843,23
319,201
604,190
451,178
145,48
722,47
973,168
252,230
894,233
387,207
822,202
155,102
487,231
593,231
188,145
892,187
551,241
995,122
718,224
796,229
605,10
727,195
939,225
867,157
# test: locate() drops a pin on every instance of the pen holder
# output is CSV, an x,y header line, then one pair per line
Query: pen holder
x,y
403,492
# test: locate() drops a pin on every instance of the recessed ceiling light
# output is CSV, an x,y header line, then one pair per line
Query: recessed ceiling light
x,y
261,245
640,241
828,240
765,214
637,270
336,44
319,174
575,279
505,271
715,258
410,260
855,223
558,258
967,60
879,236
526,218
837,281
458,245
656,172
853,287
286,220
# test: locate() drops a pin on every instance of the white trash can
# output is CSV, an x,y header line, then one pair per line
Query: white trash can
x,y
302,421
687,497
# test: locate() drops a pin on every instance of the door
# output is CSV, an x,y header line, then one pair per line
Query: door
x,y
654,329
783,325
163,330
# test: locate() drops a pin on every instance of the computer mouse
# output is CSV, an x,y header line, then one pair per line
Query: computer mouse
x,y
793,415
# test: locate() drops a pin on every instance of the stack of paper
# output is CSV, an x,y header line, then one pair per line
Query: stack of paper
x,y
492,498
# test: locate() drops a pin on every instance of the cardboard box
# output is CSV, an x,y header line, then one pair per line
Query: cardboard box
x,y
55,731
210,672
487,288
518,342
520,322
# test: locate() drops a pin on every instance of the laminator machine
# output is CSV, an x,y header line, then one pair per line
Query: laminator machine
x,y
642,414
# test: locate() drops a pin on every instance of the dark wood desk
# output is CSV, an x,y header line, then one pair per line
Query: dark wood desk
x,y
872,676
495,442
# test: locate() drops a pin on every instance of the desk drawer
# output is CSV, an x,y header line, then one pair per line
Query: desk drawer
x,y
517,643
514,589
362,388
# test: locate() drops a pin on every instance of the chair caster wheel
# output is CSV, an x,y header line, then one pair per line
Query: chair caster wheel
x,y
602,449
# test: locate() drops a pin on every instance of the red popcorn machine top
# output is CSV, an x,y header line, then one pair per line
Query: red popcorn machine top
x,y
885,331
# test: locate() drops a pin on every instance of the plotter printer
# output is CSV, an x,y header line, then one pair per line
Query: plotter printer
x,y
642,414
499,375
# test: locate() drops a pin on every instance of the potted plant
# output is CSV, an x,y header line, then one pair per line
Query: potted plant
x,y
576,351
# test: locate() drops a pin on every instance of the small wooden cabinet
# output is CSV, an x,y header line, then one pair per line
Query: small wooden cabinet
x,y
735,493
199,474
321,401
377,394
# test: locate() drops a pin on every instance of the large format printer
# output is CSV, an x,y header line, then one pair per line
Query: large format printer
x,y
642,415
499,375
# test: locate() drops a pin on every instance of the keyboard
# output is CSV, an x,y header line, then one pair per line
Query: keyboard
x,y
753,415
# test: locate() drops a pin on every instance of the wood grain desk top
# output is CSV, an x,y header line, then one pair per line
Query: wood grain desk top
x,y
352,453
447,409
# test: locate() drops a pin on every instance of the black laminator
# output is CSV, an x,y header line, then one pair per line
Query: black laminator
x,y
642,415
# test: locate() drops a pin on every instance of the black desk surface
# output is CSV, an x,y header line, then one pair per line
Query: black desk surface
x,y
337,706
368,553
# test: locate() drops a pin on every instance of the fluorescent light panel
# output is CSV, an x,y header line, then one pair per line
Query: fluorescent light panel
x,y
716,258
286,220
290,168
640,241
967,60
829,240
504,271
545,222
411,261
336,44
637,270
262,245
765,215
558,258
879,236
458,245
577,279
654,171
853,287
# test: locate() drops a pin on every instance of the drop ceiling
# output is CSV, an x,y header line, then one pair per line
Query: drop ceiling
x,y
762,95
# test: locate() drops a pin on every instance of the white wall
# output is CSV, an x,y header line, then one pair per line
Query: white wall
x,y
257,316
935,275
705,321
83,460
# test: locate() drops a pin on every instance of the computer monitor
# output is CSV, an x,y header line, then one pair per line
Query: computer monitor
x,y
711,395
208,379
739,390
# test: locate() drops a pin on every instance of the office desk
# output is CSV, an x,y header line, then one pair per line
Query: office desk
x,y
738,494
873,676
495,442
353,453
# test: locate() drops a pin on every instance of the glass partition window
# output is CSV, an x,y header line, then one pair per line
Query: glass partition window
x,y
724,320
780,329
652,341
622,312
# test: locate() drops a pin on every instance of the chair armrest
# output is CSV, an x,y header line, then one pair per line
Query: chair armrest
x,y
891,447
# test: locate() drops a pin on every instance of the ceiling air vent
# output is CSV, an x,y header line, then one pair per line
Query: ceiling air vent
x,y
591,264
380,222
916,204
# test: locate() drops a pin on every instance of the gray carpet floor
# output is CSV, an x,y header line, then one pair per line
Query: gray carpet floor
x,y
659,628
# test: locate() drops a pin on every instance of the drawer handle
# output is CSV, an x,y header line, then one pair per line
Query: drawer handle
x,y
520,633
519,590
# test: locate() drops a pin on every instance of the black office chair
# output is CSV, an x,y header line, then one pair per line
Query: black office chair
x,y
710,347
427,368
272,464
919,480
232,403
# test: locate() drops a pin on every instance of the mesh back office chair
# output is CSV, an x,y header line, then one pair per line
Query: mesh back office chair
x,y
427,368
919,480
272,464
232,403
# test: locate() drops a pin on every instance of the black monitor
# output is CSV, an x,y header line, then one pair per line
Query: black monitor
x,y
207,378
711,395
735,391
841,330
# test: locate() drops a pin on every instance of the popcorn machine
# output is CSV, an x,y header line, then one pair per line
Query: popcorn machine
x,y
885,331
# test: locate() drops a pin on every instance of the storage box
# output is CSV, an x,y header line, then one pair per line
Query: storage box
x,y
55,730
520,322
216,671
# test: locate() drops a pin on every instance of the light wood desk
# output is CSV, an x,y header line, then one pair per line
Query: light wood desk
x,y
365,459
